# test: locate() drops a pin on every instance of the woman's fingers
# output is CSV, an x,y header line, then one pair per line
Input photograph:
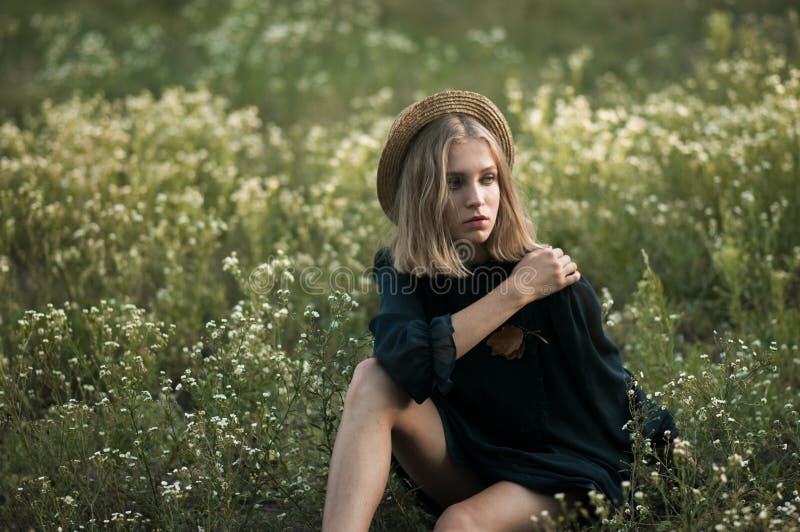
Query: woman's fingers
x,y
570,270
567,265
551,270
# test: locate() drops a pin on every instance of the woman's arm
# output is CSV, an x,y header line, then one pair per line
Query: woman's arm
x,y
474,322
538,274
594,363
420,354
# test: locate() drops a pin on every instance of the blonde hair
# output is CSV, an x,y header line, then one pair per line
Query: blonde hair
x,y
422,243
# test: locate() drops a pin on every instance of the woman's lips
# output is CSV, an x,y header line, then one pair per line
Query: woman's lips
x,y
477,223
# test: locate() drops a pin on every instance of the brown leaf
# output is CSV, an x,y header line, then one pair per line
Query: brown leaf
x,y
508,342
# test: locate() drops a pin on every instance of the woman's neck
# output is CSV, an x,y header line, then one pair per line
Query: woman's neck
x,y
480,256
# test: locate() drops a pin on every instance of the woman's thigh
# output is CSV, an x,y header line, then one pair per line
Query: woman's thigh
x,y
503,506
418,444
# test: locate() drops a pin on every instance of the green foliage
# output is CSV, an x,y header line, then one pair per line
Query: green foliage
x,y
739,434
94,428
184,284
308,61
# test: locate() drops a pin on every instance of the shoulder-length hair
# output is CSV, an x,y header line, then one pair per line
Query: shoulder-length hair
x,y
423,244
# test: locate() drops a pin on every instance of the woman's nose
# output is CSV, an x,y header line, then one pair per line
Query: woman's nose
x,y
474,195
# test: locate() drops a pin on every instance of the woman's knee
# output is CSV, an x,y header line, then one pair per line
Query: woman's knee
x,y
459,516
372,386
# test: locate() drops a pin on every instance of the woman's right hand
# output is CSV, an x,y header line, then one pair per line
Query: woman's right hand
x,y
541,272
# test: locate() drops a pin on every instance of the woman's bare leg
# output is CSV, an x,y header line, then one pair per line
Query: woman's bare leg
x,y
380,417
504,506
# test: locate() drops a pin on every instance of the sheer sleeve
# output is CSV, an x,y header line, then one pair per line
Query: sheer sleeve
x,y
577,316
418,354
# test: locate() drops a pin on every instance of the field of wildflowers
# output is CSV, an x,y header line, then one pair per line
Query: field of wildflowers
x,y
188,217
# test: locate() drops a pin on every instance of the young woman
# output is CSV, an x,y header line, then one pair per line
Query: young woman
x,y
493,384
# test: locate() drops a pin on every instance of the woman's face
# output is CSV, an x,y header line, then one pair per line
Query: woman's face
x,y
474,190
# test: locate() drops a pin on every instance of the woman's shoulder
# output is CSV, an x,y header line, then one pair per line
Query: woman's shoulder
x,y
383,262
383,257
383,265
391,281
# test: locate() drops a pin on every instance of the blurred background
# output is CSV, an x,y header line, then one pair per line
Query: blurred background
x,y
308,61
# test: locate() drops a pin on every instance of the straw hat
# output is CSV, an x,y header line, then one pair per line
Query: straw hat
x,y
414,117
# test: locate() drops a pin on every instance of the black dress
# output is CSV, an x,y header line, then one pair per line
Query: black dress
x,y
551,420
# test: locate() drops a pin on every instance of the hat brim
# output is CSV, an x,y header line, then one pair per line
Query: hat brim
x,y
414,117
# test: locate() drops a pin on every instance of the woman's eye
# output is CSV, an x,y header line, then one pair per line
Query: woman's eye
x,y
455,183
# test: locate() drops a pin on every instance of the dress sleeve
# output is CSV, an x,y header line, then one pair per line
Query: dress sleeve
x,y
577,316
419,355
